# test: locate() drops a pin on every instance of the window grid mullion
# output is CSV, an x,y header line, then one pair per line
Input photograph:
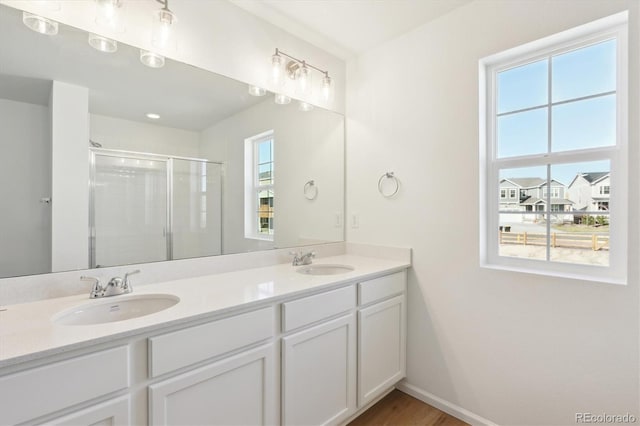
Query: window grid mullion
x,y
549,150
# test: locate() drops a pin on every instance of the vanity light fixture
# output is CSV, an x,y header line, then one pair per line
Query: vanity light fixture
x,y
163,26
109,15
103,44
305,106
327,88
40,24
281,99
277,73
153,116
151,59
300,71
256,91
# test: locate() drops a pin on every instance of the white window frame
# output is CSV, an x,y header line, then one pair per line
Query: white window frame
x,y
252,186
614,26
514,192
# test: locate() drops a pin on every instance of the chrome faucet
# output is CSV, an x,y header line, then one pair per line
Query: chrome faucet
x,y
300,258
114,287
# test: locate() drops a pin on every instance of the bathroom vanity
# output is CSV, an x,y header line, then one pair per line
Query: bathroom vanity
x,y
266,345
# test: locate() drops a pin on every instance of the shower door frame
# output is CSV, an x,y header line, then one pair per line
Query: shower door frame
x,y
168,159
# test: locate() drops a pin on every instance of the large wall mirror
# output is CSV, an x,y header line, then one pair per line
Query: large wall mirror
x,y
106,161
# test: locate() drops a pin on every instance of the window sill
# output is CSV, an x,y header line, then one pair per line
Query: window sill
x,y
254,237
555,274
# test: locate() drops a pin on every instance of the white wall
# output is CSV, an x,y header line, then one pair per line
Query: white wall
x,y
25,222
117,133
69,177
214,35
512,348
305,143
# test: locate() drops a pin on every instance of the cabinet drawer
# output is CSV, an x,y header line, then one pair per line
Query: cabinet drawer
x,y
380,288
301,312
181,348
33,393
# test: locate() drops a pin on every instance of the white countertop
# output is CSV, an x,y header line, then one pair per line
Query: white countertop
x,y
27,332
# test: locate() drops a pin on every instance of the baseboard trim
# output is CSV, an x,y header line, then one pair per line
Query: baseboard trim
x,y
444,405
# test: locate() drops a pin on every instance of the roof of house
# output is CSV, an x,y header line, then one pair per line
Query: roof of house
x,y
590,177
534,200
529,182
593,176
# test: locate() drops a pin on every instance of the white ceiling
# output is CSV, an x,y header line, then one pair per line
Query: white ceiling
x,y
348,27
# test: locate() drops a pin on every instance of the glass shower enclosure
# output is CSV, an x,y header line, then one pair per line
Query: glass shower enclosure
x,y
147,208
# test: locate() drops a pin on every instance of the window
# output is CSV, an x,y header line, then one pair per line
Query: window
x,y
555,192
554,114
259,182
503,193
512,193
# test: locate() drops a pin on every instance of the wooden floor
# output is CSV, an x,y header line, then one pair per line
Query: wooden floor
x,y
399,409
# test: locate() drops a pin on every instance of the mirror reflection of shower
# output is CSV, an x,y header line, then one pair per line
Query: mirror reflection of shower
x,y
147,207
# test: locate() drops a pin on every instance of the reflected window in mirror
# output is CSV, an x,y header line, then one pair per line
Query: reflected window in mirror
x,y
259,183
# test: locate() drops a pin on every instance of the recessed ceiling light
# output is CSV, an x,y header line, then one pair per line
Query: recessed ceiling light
x,y
103,44
151,59
257,91
153,116
40,24
281,99
305,106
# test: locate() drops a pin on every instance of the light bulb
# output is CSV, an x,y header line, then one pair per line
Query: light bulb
x,y
277,71
304,80
281,99
109,15
103,44
327,88
162,29
40,24
257,91
305,106
151,59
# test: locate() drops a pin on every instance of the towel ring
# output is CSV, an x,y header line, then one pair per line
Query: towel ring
x,y
310,190
395,185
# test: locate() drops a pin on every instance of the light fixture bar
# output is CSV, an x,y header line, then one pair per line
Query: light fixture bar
x,y
300,61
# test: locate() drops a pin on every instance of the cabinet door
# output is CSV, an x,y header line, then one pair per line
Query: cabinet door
x,y
319,373
381,339
111,413
238,390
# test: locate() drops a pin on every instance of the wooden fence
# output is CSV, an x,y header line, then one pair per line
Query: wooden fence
x,y
594,242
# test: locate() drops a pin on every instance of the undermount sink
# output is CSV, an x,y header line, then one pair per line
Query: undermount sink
x,y
117,308
325,269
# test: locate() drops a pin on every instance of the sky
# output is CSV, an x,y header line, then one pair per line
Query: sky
x,y
575,124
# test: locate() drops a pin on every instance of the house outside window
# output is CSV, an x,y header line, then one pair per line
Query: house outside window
x,y
259,186
552,110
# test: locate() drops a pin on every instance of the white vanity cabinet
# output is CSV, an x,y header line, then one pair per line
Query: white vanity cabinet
x,y
236,389
319,357
319,360
381,335
112,412
33,393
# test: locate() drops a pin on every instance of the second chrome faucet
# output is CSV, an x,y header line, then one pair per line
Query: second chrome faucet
x,y
114,287
300,258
